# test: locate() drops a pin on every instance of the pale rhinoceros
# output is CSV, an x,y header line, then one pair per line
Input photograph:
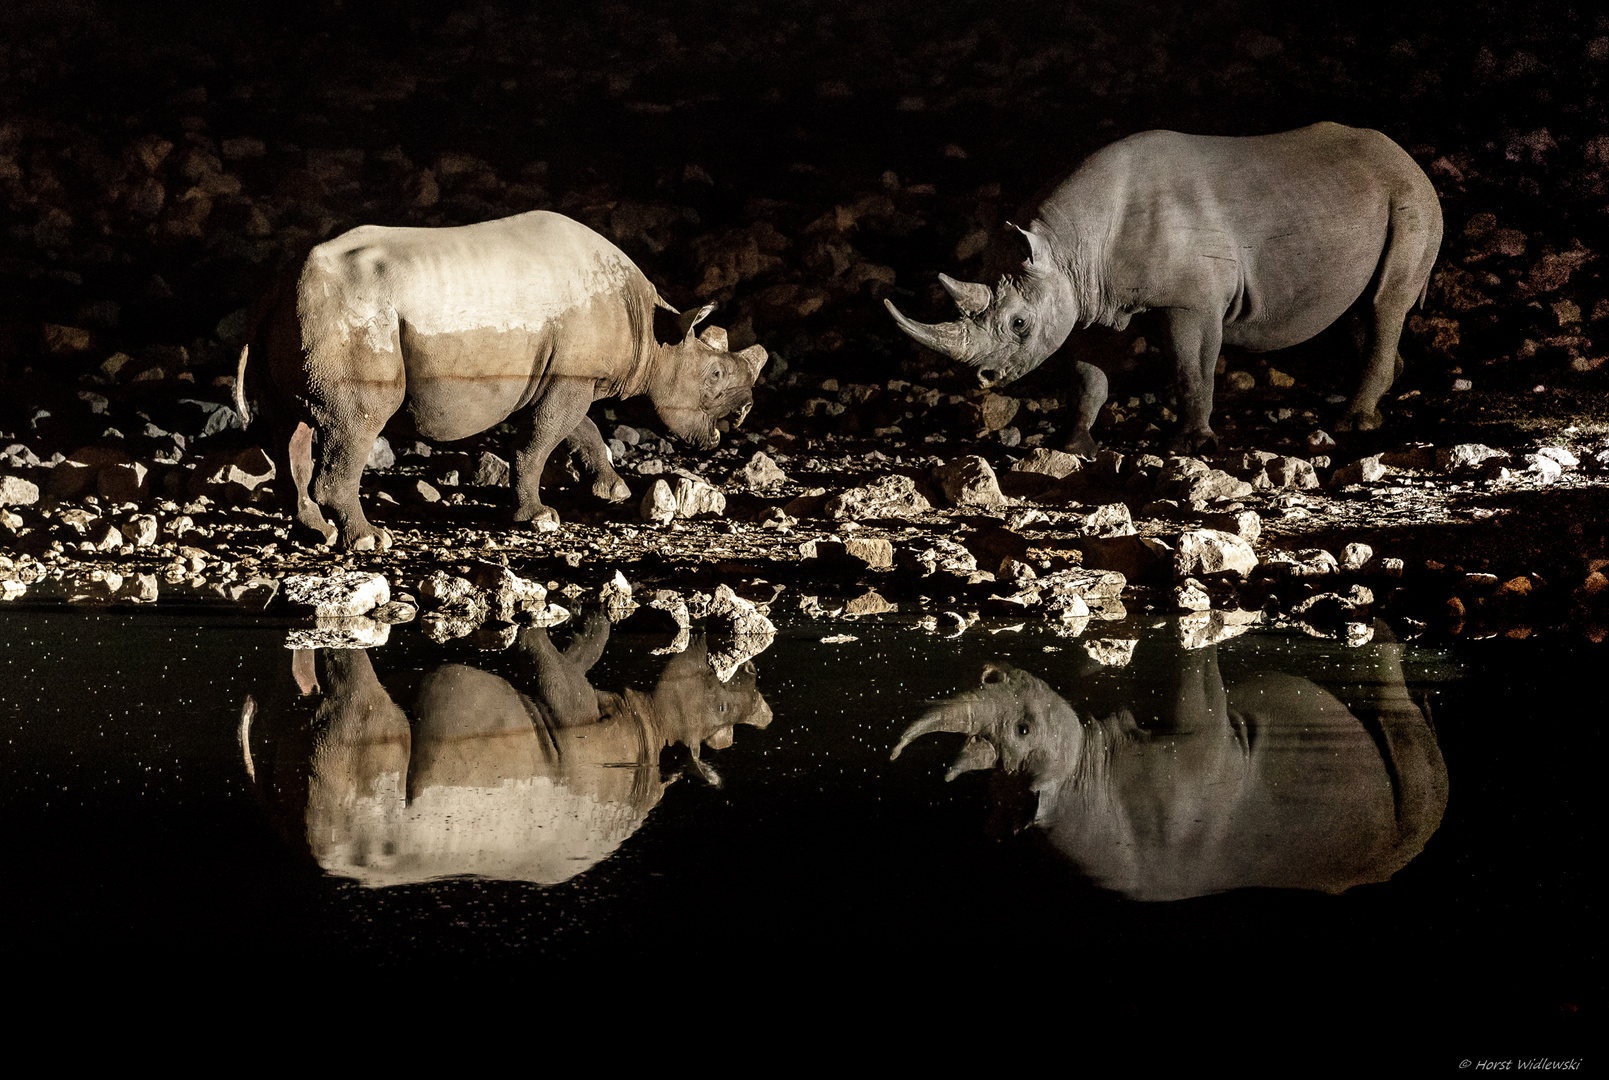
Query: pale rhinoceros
x,y
1257,242
444,333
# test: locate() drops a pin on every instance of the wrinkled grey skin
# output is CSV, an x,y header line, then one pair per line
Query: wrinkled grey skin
x,y
1255,242
444,333
1268,782
477,775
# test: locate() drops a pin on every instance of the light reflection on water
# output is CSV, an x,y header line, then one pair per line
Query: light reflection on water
x,y
1461,853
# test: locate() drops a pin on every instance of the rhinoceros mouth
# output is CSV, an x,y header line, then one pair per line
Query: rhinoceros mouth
x,y
987,377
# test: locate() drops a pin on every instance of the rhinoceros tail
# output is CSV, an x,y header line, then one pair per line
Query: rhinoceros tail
x,y
240,387
659,302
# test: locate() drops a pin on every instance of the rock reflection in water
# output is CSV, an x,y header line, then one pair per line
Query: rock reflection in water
x,y
1195,787
476,776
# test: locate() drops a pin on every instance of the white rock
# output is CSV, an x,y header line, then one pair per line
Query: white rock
x,y
1362,471
1209,551
140,530
658,504
1356,556
1545,469
1561,455
341,595
969,481
695,498
15,491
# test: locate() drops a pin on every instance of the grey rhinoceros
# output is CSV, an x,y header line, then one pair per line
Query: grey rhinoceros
x,y
444,333
477,776
1257,242
1270,781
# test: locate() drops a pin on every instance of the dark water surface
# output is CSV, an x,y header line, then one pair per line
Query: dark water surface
x,y
435,805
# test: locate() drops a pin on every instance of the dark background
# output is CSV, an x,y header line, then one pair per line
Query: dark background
x,y
161,162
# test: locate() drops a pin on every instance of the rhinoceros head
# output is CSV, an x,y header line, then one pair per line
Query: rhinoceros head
x,y
1007,331
696,382
1012,721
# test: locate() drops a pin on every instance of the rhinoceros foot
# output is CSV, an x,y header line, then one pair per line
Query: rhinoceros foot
x,y
379,540
611,489
1190,440
1083,444
1357,420
543,519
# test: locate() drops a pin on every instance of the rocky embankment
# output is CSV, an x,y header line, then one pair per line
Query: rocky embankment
x,y
946,530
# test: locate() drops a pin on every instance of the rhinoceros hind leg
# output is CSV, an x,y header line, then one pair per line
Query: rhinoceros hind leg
x,y
292,451
1197,336
1411,248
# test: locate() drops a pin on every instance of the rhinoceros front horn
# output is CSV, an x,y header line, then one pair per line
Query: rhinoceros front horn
x,y
948,338
969,296
952,719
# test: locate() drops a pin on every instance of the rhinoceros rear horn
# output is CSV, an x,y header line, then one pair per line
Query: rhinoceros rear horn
x,y
695,318
754,357
951,718
714,337
969,296
948,338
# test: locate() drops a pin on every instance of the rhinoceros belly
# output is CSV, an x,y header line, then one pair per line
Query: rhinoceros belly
x,y
461,383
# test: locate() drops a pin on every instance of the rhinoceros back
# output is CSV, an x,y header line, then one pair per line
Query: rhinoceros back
x,y
476,318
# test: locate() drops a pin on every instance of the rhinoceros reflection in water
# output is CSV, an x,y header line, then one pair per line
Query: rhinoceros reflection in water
x,y
1268,781
477,777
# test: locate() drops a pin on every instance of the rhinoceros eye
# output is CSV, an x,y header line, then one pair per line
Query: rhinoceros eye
x,y
1023,728
1018,324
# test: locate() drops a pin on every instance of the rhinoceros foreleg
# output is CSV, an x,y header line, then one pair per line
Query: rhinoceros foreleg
x,y
1089,382
557,413
1197,336
1404,269
587,442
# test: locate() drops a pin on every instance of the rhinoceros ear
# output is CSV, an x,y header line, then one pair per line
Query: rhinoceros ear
x,y
690,322
714,337
1038,246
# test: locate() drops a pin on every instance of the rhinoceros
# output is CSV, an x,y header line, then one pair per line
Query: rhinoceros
x,y
444,333
1269,781
1256,242
478,777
